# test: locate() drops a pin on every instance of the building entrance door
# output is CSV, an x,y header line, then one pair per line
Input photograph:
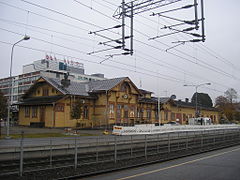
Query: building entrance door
x,y
42,113
179,117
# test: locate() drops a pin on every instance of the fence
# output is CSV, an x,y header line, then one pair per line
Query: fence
x,y
152,129
111,151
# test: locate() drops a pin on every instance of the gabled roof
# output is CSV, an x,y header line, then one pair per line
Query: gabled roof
x,y
83,88
143,91
104,85
192,105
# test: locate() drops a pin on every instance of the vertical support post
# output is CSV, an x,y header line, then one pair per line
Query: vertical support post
x,y
97,144
159,111
50,158
178,140
169,143
21,155
131,146
196,113
115,149
201,140
196,14
123,24
187,140
145,151
238,133
75,156
203,19
106,111
131,45
214,137
224,136
158,143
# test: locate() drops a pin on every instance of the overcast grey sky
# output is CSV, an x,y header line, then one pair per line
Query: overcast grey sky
x,y
151,67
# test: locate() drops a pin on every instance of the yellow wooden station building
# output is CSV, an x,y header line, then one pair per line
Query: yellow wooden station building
x,y
63,103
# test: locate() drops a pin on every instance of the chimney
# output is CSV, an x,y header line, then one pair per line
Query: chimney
x,y
186,100
65,82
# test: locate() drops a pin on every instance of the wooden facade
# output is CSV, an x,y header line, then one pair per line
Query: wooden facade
x,y
115,101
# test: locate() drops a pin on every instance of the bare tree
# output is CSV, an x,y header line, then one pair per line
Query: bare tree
x,y
231,95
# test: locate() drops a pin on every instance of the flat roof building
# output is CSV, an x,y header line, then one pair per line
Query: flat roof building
x,y
47,67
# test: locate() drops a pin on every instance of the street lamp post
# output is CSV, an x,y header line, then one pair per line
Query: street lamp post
x,y
196,98
10,99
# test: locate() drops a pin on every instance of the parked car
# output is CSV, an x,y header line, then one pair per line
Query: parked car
x,y
174,123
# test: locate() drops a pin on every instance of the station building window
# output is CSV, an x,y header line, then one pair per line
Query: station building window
x,y
27,111
34,111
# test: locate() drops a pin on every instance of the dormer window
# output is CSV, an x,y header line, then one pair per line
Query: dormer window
x,y
125,87
45,92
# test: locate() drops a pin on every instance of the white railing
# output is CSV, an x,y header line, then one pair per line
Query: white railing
x,y
152,129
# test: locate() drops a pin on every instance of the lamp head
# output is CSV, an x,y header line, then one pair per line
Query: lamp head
x,y
26,38
208,83
117,26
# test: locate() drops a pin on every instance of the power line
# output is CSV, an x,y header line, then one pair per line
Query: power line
x,y
208,50
97,11
60,13
117,67
46,17
85,53
185,58
170,66
207,65
86,60
65,47
176,55
46,29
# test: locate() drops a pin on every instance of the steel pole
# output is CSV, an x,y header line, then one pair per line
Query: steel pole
x,y
11,87
123,24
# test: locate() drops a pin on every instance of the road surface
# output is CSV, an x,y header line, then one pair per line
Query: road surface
x,y
221,164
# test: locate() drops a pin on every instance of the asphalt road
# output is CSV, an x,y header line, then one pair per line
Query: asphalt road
x,y
221,164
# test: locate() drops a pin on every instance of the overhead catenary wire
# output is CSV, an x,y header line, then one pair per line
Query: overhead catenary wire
x,y
178,50
213,69
212,53
83,52
134,30
83,59
45,29
170,66
46,17
108,65
169,78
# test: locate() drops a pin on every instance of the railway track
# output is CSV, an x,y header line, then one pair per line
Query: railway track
x,y
146,150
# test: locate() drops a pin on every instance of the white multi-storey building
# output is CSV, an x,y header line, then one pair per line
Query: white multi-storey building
x,y
49,67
